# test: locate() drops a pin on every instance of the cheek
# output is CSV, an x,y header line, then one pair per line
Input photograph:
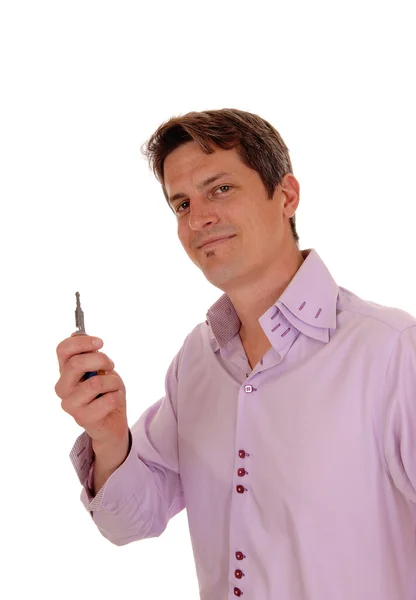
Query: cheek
x,y
184,236
180,230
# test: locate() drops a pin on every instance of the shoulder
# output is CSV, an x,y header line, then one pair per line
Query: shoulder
x,y
392,320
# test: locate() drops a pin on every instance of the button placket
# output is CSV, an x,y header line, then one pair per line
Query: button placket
x,y
238,573
242,472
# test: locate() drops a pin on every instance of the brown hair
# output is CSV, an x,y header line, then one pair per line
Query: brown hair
x,y
258,143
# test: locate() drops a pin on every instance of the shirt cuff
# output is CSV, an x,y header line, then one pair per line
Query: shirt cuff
x,y
82,457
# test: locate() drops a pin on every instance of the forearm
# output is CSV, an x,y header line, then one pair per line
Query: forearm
x,y
137,500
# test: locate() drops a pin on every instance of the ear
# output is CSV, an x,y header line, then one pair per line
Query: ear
x,y
290,188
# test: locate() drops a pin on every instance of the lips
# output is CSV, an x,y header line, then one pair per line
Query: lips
x,y
208,244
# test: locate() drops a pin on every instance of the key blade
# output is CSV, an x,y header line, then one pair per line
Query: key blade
x,y
79,316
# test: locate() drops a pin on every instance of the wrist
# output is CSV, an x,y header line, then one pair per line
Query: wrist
x,y
113,453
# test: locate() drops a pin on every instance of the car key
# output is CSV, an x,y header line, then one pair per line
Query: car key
x,y
80,325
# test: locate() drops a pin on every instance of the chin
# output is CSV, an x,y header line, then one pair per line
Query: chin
x,y
220,277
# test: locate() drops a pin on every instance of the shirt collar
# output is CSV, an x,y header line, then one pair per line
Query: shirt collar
x,y
308,303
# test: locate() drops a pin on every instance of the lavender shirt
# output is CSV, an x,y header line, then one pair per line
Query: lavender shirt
x,y
299,477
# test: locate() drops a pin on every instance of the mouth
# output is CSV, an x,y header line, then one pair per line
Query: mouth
x,y
215,243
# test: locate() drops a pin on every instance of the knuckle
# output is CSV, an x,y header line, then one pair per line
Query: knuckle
x,y
116,382
78,418
63,350
105,360
64,405
60,348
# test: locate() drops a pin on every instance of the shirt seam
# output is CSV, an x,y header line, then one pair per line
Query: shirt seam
x,y
384,401
376,318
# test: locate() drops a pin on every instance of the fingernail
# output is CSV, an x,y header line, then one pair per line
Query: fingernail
x,y
96,342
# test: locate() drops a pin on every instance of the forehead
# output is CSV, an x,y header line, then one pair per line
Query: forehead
x,y
189,164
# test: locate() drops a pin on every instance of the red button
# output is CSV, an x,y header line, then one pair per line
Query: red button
x,y
240,489
239,574
237,592
239,555
241,454
241,472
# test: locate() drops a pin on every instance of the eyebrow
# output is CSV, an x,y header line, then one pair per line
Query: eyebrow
x,y
200,185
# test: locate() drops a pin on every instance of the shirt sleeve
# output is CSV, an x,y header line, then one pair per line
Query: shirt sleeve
x,y
400,414
144,493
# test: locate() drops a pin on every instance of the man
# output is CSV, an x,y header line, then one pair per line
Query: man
x,y
288,426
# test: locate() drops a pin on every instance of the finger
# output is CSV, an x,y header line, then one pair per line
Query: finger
x,y
90,415
77,366
122,386
76,344
87,391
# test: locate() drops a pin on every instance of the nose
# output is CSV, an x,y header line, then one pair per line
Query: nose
x,y
202,214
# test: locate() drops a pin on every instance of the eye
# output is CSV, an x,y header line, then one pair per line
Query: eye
x,y
179,205
224,188
228,187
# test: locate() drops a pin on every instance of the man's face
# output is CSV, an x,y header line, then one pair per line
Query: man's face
x,y
215,195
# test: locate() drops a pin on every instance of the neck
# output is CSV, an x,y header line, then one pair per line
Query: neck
x,y
253,299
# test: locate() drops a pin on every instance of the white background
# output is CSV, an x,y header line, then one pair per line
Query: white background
x,y
83,85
